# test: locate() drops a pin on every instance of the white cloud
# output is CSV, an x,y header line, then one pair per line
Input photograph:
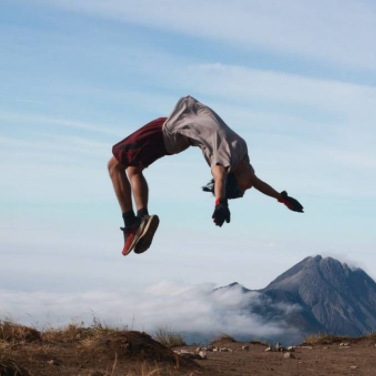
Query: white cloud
x,y
183,308
339,31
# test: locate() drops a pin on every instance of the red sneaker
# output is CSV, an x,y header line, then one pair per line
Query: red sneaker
x,y
151,224
131,236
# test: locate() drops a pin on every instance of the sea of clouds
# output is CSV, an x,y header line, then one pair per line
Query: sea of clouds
x,y
199,312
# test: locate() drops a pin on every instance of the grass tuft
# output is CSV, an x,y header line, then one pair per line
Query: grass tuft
x,y
9,367
168,338
324,339
77,332
11,332
225,338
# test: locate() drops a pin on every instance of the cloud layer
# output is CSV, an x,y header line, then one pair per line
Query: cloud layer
x,y
187,309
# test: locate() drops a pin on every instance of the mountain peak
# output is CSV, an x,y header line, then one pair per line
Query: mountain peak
x,y
339,297
233,285
312,268
327,295
317,258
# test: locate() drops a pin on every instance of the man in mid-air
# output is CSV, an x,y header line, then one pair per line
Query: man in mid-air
x,y
191,123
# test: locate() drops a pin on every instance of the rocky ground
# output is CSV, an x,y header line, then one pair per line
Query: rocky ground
x,y
77,351
355,357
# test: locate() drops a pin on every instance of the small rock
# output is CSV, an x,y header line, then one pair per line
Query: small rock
x,y
198,349
307,347
215,349
204,348
182,351
203,354
289,356
223,349
245,347
353,367
291,349
344,344
53,362
268,349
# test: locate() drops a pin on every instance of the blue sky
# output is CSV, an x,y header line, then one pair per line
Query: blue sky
x,y
296,79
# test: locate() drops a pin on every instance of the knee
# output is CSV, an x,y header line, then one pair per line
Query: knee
x,y
114,166
134,170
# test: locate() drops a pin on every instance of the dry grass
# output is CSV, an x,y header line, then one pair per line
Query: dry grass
x,y
371,336
9,367
256,341
77,332
19,343
324,339
74,332
11,332
224,338
147,370
168,338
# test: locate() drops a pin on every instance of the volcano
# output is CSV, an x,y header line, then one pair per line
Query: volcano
x,y
328,297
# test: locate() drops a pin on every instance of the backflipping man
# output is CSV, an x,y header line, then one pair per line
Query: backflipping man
x,y
191,123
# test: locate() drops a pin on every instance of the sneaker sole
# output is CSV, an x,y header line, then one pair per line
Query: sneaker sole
x,y
146,238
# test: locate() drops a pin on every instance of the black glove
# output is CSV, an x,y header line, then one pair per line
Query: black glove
x,y
290,202
221,212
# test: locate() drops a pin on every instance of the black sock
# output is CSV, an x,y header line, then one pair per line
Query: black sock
x,y
129,218
142,213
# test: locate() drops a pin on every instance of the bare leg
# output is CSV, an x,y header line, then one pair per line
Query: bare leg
x,y
140,187
140,192
121,184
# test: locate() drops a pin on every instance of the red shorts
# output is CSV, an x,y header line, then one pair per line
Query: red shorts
x,y
144,146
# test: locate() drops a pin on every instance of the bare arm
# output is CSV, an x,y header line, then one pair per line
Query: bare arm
x,y
264,188
221,210
219,174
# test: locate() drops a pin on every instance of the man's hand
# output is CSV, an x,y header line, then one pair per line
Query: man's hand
x,y
221,212
290,202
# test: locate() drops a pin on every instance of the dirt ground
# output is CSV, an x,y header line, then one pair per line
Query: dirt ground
x,y
134,353
320,360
